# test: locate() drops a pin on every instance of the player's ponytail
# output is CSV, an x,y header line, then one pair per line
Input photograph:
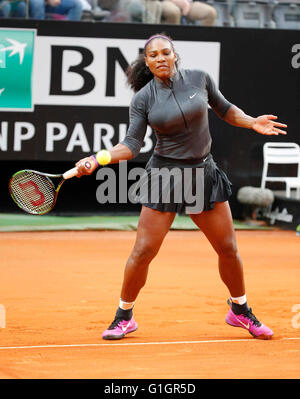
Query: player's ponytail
x,y
138,74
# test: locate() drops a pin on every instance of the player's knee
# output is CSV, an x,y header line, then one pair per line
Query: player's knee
x,y
228,249
143,254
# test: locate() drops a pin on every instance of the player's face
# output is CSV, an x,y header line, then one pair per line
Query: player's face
x,y
160,58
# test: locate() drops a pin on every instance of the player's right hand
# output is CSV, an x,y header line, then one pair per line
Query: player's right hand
x,y
86,166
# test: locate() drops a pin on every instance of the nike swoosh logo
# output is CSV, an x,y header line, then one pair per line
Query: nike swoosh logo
x,y
125,328
193,95
245,325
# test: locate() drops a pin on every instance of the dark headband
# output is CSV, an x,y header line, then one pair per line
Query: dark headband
x,y
156,37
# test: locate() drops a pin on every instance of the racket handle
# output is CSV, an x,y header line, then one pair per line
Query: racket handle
x,y
70,173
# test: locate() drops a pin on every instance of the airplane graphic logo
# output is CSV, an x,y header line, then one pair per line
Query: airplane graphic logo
x,y
16,68
16,48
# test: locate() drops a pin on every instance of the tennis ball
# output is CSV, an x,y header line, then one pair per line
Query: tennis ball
x,y
103,157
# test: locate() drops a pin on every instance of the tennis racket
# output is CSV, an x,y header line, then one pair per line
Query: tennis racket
x,y
34,192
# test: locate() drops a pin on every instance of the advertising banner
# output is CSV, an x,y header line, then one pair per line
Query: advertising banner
x,y
63,90
76,91
16,69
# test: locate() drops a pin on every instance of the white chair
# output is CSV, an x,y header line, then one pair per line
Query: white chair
x,y
282,153
287,14
250,13
223,8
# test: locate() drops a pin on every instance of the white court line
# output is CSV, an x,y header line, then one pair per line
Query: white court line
x,y
143,343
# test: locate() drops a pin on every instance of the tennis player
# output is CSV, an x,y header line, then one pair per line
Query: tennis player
x,y
174,102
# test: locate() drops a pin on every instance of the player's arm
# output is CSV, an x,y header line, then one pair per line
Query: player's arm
x,y
125,150
264,124
236,117
119,152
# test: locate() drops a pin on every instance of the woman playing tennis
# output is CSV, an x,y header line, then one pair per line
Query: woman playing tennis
x,y
174,102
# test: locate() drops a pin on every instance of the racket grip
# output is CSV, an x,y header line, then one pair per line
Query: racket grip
x,y
70,173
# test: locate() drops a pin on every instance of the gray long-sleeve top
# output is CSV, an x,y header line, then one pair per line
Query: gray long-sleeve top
x,y
178,115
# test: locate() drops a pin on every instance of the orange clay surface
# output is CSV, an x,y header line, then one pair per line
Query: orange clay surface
x,y
60,290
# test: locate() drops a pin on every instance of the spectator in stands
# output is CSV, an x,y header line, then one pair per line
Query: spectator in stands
x,y
148,11
109,5
4,9
37,9
190,10
68,9
171,13
71,9
151,11
133,10
15,9
119,13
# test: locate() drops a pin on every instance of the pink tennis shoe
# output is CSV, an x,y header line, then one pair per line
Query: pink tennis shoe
x,y
249,322
119,328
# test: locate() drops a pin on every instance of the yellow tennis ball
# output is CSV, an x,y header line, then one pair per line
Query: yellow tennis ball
x,y
103,157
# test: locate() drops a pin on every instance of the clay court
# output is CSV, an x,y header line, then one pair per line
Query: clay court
x,y
61,289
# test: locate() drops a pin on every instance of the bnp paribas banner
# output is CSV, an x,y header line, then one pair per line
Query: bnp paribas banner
x,y
16,69
63,90
64,97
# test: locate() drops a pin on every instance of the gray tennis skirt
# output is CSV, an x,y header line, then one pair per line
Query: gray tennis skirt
x,y
190,187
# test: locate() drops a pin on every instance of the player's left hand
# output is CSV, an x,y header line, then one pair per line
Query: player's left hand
x,y
266,124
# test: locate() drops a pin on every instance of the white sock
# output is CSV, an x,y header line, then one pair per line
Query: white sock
x,y
239,300
126,305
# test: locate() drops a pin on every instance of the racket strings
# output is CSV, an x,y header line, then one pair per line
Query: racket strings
x,y
33,192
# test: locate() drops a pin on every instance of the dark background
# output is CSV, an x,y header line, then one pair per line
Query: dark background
x,y
256,74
